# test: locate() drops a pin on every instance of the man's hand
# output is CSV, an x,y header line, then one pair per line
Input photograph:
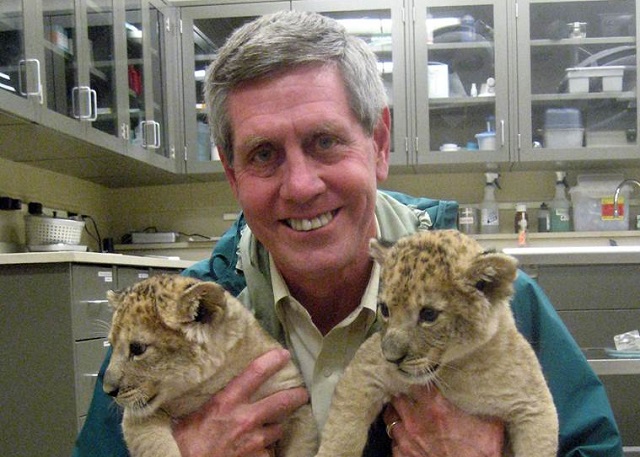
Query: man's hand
x,y
229,425
428,425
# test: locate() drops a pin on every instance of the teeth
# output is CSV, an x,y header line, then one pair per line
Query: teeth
x,y
304,225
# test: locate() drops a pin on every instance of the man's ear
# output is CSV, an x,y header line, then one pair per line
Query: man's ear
x,y
493,275
199,304
382,142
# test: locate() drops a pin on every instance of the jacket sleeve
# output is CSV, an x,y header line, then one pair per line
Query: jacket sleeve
x,y
587,424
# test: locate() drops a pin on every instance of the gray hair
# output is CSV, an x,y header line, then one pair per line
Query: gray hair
x,y
280,42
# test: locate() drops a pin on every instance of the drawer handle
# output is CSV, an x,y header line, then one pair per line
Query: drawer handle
x,y
90,375
94,302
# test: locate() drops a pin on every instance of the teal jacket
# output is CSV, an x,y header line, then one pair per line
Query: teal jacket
x,y
587,425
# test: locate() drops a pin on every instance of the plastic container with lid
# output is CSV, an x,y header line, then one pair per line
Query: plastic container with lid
x,y
592,201
563,128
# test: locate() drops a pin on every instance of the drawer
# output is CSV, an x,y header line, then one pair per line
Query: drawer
x,y
89,356
127,276
91,314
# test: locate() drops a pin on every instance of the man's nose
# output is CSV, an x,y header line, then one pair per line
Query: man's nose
x,y
301,177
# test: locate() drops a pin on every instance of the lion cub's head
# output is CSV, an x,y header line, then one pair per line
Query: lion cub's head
x,y
441,296
159,332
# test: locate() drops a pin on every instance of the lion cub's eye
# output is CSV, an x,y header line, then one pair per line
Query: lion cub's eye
x,y
384,309
429,315
136,348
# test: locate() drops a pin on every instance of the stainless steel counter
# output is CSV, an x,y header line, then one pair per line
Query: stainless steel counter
x,y
576,255
93,258
605,365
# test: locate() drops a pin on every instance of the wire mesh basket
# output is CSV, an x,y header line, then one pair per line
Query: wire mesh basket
x,y
41,230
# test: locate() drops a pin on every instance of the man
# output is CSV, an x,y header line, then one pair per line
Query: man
x,y
299,115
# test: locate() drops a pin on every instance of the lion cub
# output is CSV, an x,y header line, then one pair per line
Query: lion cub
x,y
446,321
176,341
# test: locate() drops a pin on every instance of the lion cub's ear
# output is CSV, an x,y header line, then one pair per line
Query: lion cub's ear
x,y
115,298
493,274
379,248
200,303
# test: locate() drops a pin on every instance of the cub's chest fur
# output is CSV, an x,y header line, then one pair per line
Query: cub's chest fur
x,y
444,307
176,341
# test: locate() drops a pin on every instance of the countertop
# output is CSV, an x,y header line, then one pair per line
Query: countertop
x,y
575,255
92,257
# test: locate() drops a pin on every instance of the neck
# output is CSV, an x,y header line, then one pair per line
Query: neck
x,y
331,297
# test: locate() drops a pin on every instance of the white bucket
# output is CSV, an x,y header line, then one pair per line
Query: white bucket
x,y
438,80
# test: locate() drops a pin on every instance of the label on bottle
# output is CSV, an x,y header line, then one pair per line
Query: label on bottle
x,y
490,217
606,205
560,220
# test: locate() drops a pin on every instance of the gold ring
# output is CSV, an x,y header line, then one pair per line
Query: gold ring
x,y
390,427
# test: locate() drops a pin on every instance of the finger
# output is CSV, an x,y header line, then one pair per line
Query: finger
x,y
256,373
261,441
280,405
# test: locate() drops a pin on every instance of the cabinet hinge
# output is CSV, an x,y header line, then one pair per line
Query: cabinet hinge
x,y
172,152
519,141
185,153
167,24
517,11
180,24
416,141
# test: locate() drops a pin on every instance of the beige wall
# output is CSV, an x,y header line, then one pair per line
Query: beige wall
x,y
200,208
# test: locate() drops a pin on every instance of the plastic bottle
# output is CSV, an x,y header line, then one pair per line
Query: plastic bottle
x,y
544,219
489,213
560,206
521,223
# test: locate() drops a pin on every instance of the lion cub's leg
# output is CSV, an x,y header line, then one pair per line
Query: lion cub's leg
x,y
150,437
359,397
300,438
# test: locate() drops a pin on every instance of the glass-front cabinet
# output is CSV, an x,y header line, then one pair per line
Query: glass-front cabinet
x,y
205,29
380,24
19,76
461,82
97,71
577,80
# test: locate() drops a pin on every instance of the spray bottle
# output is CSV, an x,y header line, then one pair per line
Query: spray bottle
x,y
489,214
560,206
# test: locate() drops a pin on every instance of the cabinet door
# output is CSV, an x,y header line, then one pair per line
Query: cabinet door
x,y
99,29
379,23
205,29
91,314
577,80
19,76
461,82
89,356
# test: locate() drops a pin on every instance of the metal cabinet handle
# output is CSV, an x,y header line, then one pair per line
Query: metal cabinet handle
x,y
83,94
95,302
156,135
502,132
22,64
90,375
93,105
150,129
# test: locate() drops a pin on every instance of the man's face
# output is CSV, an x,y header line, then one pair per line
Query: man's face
x,y
304,171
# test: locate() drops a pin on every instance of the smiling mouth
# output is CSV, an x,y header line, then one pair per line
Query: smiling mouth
x,y
306,225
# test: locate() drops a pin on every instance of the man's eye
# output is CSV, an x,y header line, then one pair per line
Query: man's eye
x,y
263,155
325,142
